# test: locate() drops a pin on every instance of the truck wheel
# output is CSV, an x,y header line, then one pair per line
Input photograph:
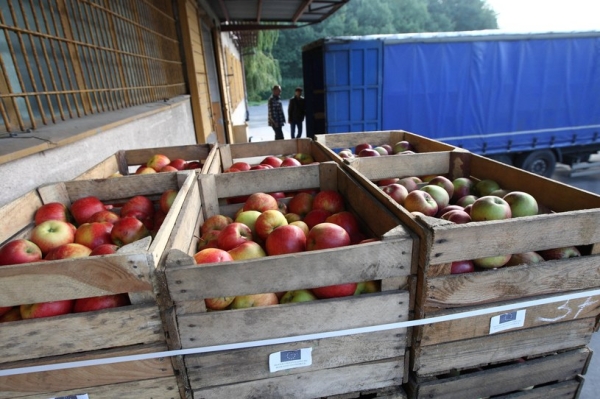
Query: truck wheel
x,y
541,162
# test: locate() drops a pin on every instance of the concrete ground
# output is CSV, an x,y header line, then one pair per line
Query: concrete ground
x,y
258,130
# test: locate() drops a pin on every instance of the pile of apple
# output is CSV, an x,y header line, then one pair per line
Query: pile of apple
x,y
264,226
367,150
161,163
465,200
272,161
99,229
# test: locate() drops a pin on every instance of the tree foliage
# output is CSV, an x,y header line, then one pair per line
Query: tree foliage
x,y
367,17
262,70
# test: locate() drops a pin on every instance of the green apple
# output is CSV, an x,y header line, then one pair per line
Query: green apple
x,y
249,219
521,204
485,187
297,296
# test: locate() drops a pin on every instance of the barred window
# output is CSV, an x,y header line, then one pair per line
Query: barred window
x,y
63,59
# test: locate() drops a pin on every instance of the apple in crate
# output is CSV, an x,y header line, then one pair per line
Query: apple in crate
x,y
444,183
368,287
166,200
397,191
19,251
439,195
462,266
298,296
521,204
304,159
420,201
260,202
467,200
560,253
525,258
215,222
69,251
52,211
369,152
104,216
448,208
272,161
100,302
328,200
93,235
347,220
83,208
104,249
144,170
402,146
13,314
127,230
335,291
158,161
290,162
254,301
249,219
214,255
52,234
485,187
315,217
381,150
268,221
168,168
409,183
139,207
209,240
233,235
326,235
46,309
490,207
387,182
301,204
193,165
247,250
492,262
303,226
178,163
457,216
286,239
362,146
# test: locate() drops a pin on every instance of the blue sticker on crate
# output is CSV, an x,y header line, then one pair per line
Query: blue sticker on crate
x,y
285,360
507,321
78,396
288,356
505,318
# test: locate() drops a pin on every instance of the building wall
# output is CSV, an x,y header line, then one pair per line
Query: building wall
x,y
160,124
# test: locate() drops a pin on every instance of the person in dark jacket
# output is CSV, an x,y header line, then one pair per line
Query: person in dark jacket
x,y
296,112
276,115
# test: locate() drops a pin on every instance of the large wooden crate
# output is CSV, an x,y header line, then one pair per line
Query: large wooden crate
x,y
125,330
253,153
556,375
340,364
573,220
333,143
124,161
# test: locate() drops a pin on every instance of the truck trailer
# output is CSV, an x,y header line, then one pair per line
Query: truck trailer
x,y
526,99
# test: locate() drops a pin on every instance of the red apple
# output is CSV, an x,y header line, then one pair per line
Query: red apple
x,y
247,250
52,211
233,235
457,216
462,186
19,251
209,240
368,152
127,230
468,209
273,161
327,235
387,182
301,204
388,148
193,165
83,208
5,309
329,200
485,187
445,209
52,234
46,309
402,146
410,184
296,296
560,253
159,218
140,207
335,291
347,220
145,170
212,255
104,249
462,266
439,195
525,258
420,201
166,200
260,202
13,314
158,161
490,208
315,217
268,221
178,163
168,168
285,240
290,162
93,234
104,216
215,222
397,191
521,204
359,147
241,166
69,251
100,302
443,182
254,301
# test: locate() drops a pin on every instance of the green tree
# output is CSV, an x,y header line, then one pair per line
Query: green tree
x,y
262,70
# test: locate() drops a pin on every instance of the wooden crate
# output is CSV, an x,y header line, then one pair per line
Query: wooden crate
x,y
124,160
396,392
333,143
437,292
253,153
131,270
556,375
340,365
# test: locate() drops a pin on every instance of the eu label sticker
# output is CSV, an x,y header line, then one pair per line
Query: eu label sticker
x,y
78,396
507,321
290,359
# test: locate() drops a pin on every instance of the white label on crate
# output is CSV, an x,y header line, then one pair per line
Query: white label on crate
x,y
78,396
290,359
507,321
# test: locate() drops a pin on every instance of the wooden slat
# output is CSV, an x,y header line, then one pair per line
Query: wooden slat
x,y
515,282
187,152
20,213
102,170
249,364
377,168
470,353
560,390
313,384
118,327
305,318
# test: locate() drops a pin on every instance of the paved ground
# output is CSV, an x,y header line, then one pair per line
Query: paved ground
x,y
260,131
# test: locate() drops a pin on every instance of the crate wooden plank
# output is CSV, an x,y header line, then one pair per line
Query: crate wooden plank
x,y
116,327
82,378
111,165
188,152
560,390
231,367
508,378
512,282
436,359
432,163
20,212
316,316
313,384
383,393
479,326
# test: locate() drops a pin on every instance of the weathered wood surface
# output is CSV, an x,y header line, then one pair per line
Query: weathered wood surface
x,y
231,326
196,152
314,384
377,168
505,379
469,353
106,168
100,375
560,390
479,326
231,367
391,137
515,282
396,392
80,332
18,215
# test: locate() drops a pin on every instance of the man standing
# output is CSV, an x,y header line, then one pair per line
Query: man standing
x,y
296,112
276,115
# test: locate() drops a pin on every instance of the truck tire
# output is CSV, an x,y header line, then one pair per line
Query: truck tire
x,y
541,162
